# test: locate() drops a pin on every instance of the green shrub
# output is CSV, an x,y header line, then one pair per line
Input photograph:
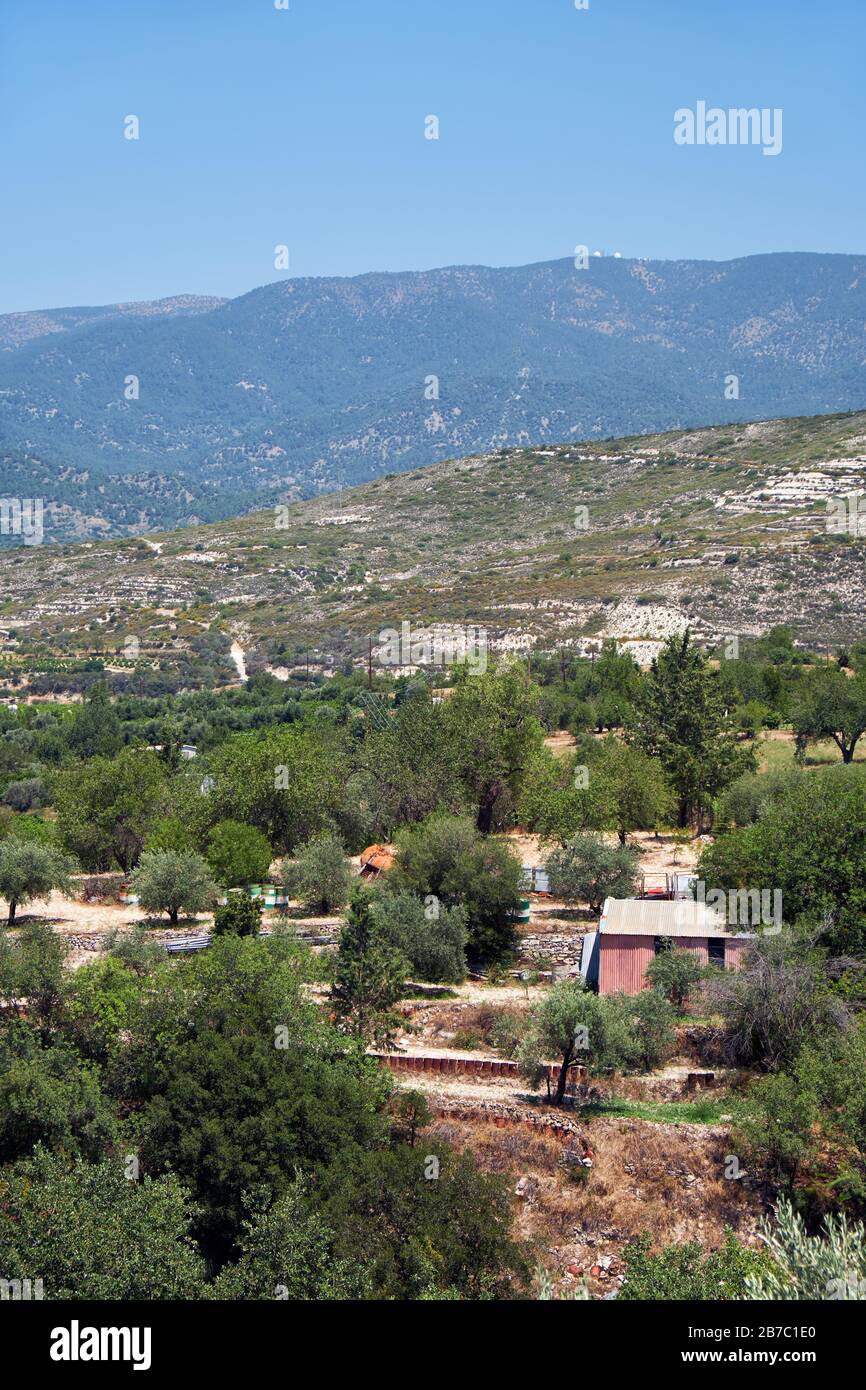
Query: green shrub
x,y
238,916
321,876
688,1272
431,937
238,854
674,974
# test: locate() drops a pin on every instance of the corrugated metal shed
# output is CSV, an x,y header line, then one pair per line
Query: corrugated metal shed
x,y
648,917
622,964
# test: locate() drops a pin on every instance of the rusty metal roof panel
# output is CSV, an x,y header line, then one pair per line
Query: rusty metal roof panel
x,y
655,917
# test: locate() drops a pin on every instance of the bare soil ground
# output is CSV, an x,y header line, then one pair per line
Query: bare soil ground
x,y
72,917
560,742
666,1180
657,854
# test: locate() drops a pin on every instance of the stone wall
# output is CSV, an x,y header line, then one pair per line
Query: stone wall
x,y
562,948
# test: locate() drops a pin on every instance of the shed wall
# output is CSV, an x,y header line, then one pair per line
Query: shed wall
x,y
623,959
622,963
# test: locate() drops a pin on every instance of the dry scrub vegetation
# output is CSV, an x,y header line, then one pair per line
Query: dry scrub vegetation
x,y
667,1180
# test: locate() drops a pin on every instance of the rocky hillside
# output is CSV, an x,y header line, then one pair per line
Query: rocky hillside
x,y
725,529
304,386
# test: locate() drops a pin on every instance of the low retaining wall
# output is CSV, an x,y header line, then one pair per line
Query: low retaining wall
x,y
471,1066
463,1066
563,948
506,1116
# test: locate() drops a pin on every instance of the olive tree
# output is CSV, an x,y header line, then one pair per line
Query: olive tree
x,y
577,1028
587,869
173,881
827,1266
30,870
321,874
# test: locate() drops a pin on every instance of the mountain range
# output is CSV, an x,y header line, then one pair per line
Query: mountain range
x,y
136,417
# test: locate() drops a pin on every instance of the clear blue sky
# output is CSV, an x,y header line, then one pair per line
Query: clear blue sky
x,y
306,127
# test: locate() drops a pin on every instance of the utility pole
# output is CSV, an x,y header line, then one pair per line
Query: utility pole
x,y
369,663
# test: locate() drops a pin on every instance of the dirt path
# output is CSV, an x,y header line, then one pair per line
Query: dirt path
x,y
238,657
657,855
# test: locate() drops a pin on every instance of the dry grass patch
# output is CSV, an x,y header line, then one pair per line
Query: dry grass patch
x,y
666,1180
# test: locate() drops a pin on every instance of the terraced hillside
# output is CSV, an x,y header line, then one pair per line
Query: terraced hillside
x,y
727,529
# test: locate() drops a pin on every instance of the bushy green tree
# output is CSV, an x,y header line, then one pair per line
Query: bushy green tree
x,y
240,1114
369,975
675,975
90,1232
31,968
49,1097
810,844
680,719
431,937
408,766
173,882
562,796
746,799
751,717
29,870
136,949
99,1004
107,806
238,854
788,1122
832,705
776,1124
240,986
446,858
287,782
494,716
587,869
425,1225
575,1028
322,876
650,1019
412,1112
171,832
95,728
286,1252
634,787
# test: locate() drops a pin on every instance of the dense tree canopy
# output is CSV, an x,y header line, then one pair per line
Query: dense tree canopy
x,y
446,859
810,845
680,720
